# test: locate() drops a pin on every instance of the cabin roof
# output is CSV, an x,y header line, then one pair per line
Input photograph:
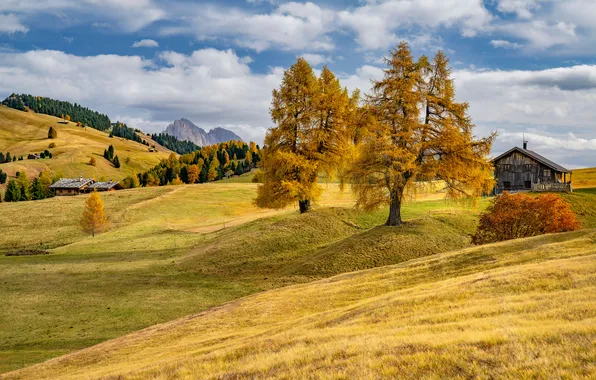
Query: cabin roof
x,y
104,185
543,160
71,183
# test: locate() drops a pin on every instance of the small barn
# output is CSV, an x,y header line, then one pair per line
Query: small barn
x,y
520,169
103,186
71,186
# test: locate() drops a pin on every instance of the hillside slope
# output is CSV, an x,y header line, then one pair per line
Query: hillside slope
x,y
523,308
22,133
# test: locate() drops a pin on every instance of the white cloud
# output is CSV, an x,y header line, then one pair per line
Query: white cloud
x,y
522,8
316,59
145,43
377,23
505,44
10,23
292,26
210,87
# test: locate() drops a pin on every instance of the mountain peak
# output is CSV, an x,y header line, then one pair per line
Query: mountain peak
x,y
184,129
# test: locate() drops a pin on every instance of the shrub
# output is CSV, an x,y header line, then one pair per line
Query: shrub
x,y
92,161
521,215
52,133
52,145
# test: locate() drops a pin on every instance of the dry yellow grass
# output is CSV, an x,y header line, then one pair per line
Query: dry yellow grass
x,y
584,178
22,133
518,309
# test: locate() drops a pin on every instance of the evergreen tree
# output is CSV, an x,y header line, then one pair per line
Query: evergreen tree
x,y
25,186
7,158
37,191
45,180
3,177
13,192
116,162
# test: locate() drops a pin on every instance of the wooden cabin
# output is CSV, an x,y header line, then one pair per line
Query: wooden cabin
x,y
520,169
71,186
103,186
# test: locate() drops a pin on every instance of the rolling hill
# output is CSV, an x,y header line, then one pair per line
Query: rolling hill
x,y
519,309
22,133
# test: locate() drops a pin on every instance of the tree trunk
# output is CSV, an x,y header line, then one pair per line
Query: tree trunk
x,y
304,205
394,211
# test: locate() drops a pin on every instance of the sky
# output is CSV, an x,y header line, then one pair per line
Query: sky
x,y
526,67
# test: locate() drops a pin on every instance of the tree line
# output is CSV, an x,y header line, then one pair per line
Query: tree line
x,y
209,163
122,130
410,128
173,144
22,189
58,108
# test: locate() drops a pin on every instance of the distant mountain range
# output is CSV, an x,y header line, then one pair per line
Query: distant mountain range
x,y
184,129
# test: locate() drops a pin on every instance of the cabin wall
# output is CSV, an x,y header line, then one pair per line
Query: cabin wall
x,y
66,192
519,172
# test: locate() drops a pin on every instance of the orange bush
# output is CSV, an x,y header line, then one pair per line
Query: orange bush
x,y
522,215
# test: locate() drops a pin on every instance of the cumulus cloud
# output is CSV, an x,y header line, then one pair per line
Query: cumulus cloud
x,y
292,26
522,8
10,23
145,43
210,87
316,59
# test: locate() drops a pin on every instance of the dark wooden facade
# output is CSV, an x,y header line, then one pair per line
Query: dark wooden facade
x,y
524,170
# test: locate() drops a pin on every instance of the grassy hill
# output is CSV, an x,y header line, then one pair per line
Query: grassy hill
x,y
181,249
584,178
519,309
22,133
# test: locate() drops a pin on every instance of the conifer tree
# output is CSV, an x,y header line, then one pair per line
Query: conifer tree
x,y
37,191
213,172
45,180
193,173
116,162
94,219
306,139
25,186
13,191
403,145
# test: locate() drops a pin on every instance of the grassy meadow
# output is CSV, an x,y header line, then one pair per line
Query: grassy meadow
x,y
181,250
518,309
22,133
584,178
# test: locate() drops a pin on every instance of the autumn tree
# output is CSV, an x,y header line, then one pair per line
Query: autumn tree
x,y
309,118
24,186
92,161
418,132
67,118
213,172
52,133
521,215
193,173
94,219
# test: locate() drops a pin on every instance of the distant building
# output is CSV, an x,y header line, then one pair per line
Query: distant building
x,y
71,186
520,169
33,156
104,186
75,186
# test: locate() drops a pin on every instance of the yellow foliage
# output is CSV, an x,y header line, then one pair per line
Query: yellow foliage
x,y
94,219
418,132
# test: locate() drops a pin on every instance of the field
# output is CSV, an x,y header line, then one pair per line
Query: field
x,y
183,249
584,178
519,309
22,133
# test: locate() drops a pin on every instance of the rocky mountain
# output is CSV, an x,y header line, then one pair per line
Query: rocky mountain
x,y
184,129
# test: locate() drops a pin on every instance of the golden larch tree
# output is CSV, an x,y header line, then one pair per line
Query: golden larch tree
x,y
309,119
94,218
418,132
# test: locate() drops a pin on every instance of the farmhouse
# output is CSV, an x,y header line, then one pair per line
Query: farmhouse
x,y
71,186
520,169
104,186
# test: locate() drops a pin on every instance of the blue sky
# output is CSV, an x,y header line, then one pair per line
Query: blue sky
x,y
525,66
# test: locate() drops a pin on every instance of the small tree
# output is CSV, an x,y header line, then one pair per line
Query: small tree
x,y
37,191
52,145
67,118
52,133
94,219
25,186
193,173
213,172
92,161
116,162
522,215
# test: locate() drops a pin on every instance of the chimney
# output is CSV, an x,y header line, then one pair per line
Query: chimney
x,y
525,145
81,179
